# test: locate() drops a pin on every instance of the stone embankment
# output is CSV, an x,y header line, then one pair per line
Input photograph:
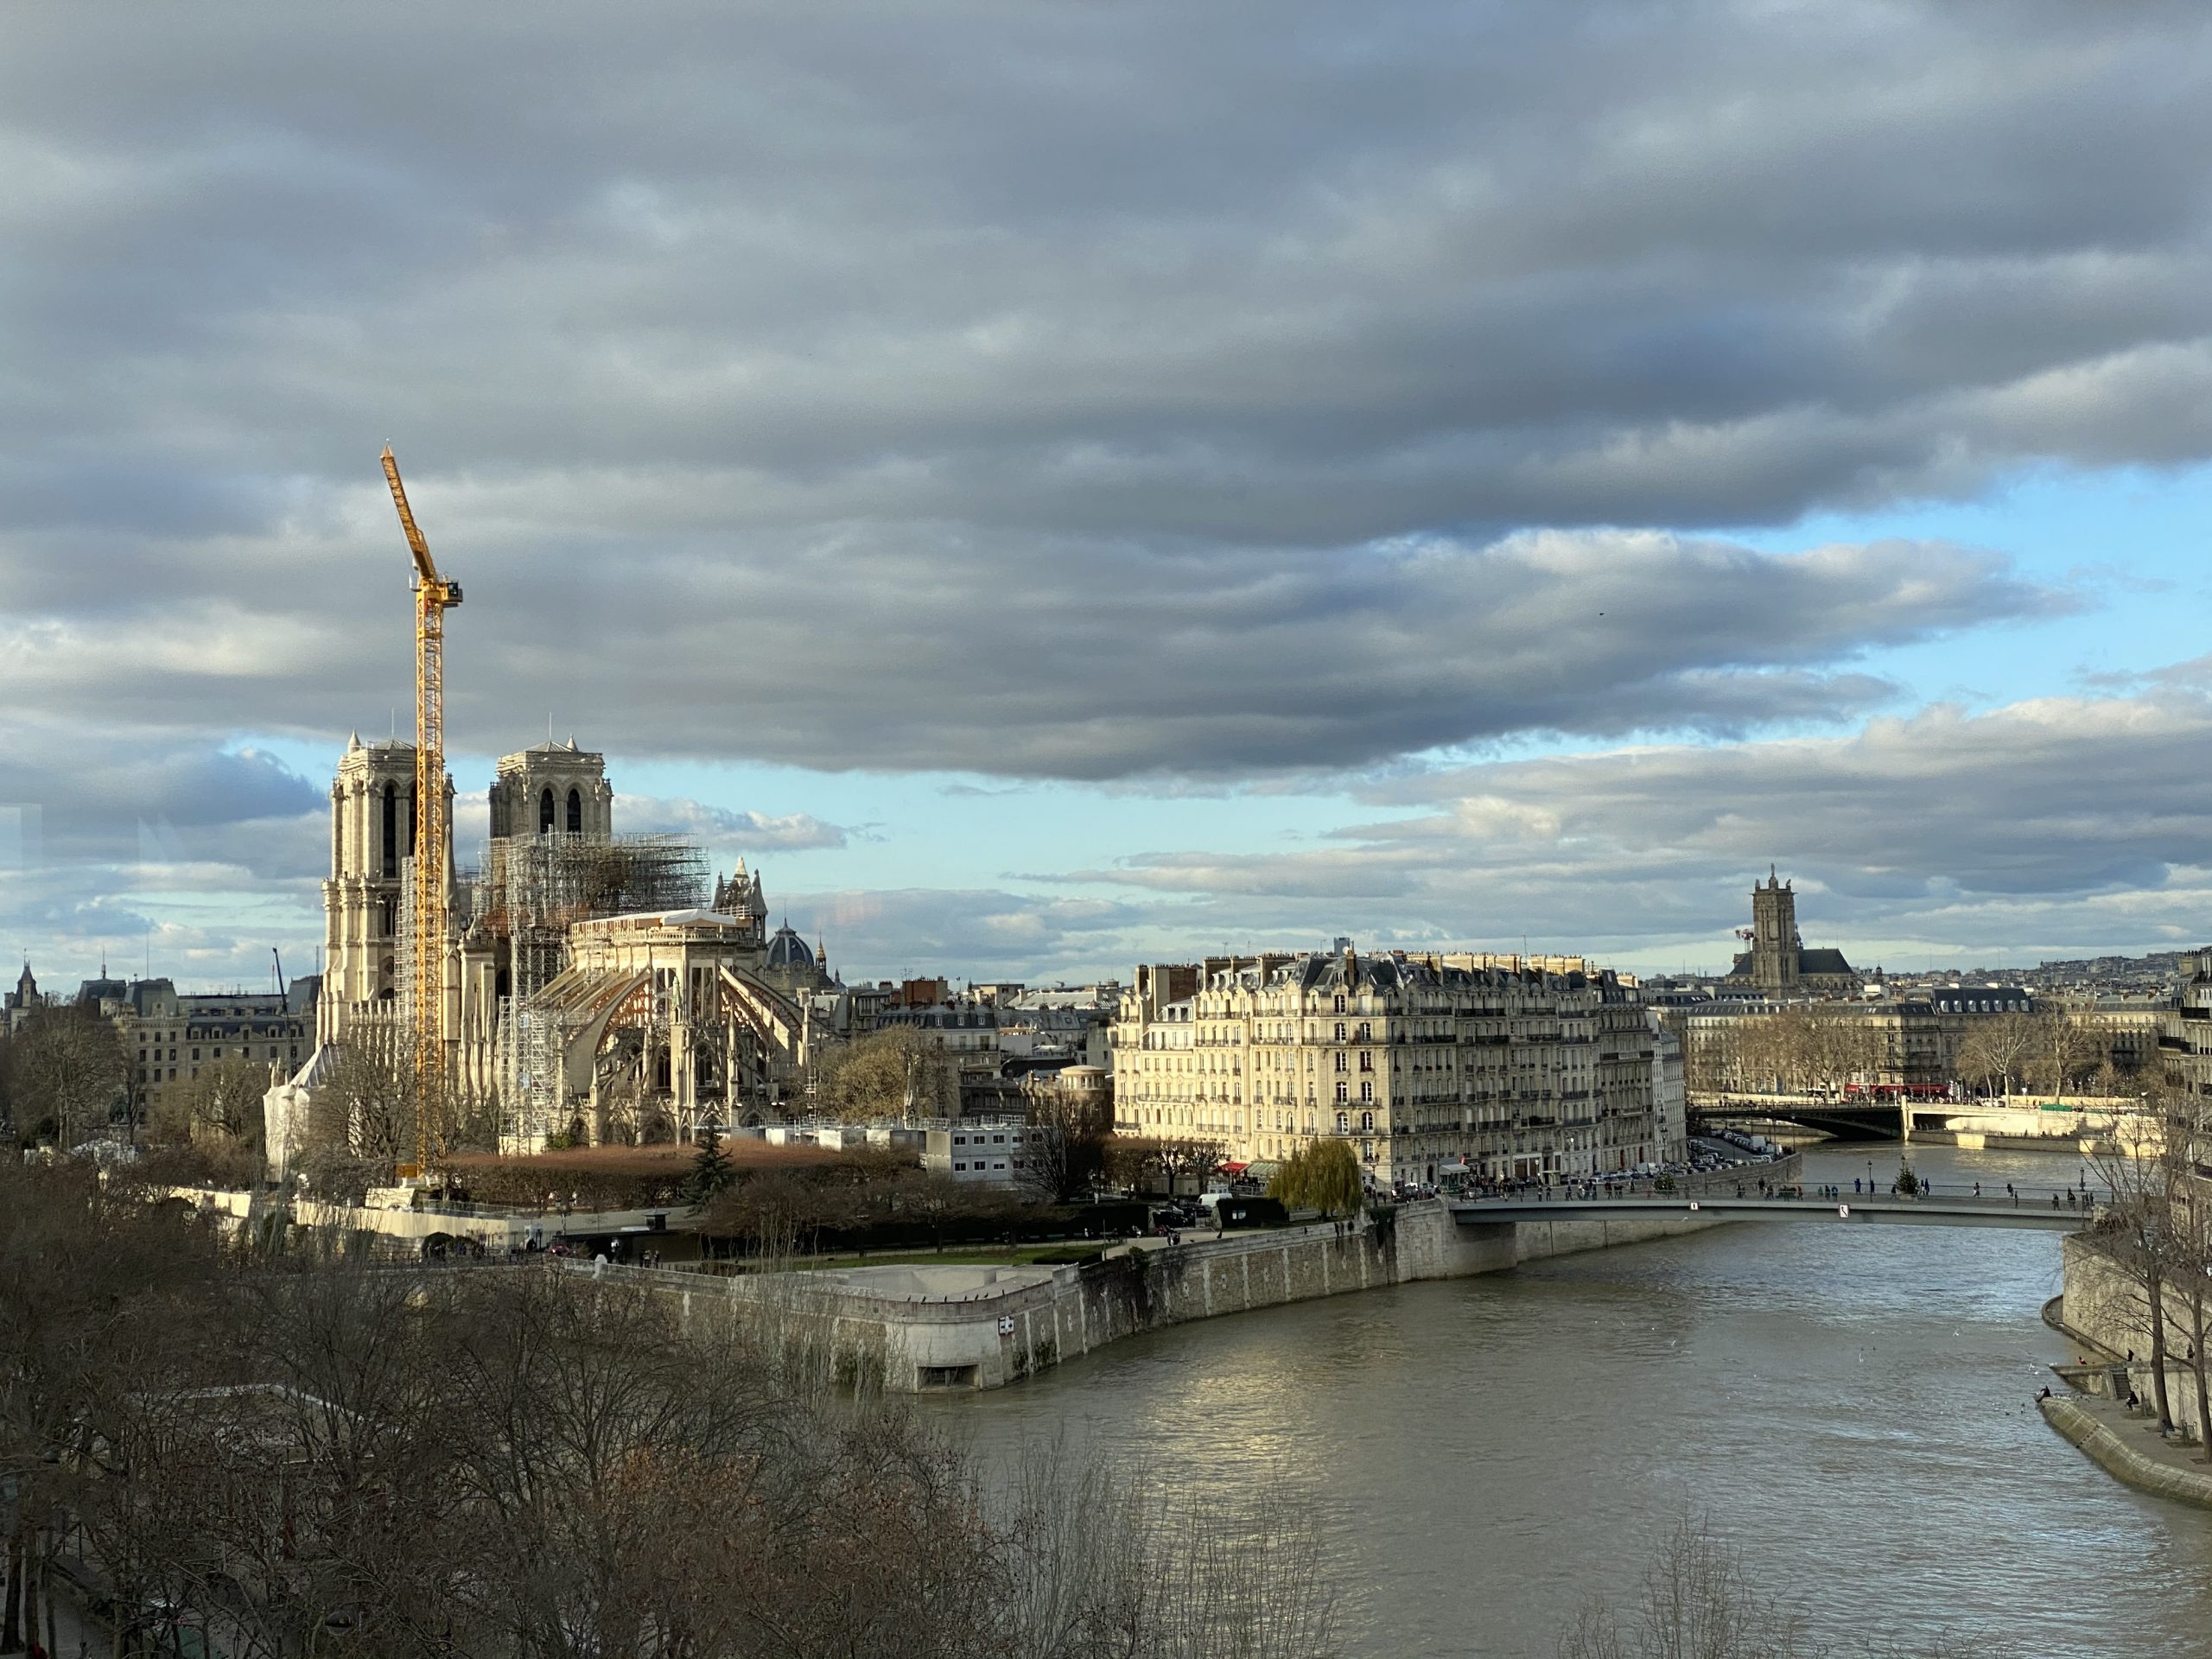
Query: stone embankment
x,y
2101,1310
2128,1448
909,1329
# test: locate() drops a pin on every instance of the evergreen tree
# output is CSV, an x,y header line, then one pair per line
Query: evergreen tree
x,y
712,1171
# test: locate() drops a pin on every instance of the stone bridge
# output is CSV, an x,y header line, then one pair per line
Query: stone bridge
x,y
2033,1208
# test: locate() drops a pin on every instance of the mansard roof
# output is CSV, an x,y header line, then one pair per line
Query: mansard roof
x,y
1325,971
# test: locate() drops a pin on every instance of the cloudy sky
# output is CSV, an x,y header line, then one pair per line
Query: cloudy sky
x,y
1055,485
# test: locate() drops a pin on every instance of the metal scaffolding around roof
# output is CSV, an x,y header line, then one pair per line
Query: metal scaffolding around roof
x,y
532,891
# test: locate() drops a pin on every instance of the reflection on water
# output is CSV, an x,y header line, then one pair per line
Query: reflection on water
x,y
1851,1405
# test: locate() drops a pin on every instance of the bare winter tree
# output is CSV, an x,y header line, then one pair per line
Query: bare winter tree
x,y
222,1102
2138,1228
99,1290
1697,1601
1068,1159
2067,1047
67,1073
1999,1048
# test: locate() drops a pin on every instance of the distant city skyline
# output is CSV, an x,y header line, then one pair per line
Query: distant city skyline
x,y
1444,477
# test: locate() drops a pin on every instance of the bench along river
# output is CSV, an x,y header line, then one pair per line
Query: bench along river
x,y
1849,1405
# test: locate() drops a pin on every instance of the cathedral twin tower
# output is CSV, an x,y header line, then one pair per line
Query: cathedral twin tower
x,y
551,788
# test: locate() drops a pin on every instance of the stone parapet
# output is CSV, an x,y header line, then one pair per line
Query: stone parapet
x,y
944,1331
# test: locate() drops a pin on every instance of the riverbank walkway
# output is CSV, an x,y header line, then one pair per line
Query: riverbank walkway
x,y
2021,1208
2127,1445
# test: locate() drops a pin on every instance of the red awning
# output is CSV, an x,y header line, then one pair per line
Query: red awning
x,y
1235,1169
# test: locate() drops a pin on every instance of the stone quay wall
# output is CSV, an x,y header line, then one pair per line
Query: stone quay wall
x,y
2103,1307
987,1328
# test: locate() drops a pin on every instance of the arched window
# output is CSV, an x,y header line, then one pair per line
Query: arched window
x,y
1344,1122
545,813
576,813
390,832
1366,1120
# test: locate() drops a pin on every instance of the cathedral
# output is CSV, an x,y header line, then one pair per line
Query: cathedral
x,y
598,988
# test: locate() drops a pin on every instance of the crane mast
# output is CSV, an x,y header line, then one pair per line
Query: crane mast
x,y
434,597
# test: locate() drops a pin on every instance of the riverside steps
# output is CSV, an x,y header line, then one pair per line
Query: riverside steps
x,y
921,1327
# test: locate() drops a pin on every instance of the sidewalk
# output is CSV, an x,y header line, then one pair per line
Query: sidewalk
x,y
2130,1447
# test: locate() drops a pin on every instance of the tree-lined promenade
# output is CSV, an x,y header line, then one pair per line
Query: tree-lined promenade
x,y
1824,1048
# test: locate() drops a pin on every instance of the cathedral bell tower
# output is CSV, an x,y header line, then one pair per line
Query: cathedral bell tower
x,y
372,841
553,789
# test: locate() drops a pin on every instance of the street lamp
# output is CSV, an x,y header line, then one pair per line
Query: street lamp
x,y
1870,1178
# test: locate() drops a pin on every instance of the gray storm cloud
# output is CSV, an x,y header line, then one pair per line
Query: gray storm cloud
x,y
1145,393
814,343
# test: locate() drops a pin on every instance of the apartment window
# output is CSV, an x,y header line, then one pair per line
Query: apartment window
x,y
1367,1092
1344,1122
1341,1063
1340,1030
1344,1092
963,1168
195,1053
1340,1005
1366,1121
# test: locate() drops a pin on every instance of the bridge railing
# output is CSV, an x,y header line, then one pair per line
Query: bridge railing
x,y
2079,1199
1778,1171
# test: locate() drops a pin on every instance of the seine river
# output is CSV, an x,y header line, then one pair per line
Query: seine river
x,y
1850,1406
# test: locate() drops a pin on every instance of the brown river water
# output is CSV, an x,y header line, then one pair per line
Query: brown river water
x,y
1848,1406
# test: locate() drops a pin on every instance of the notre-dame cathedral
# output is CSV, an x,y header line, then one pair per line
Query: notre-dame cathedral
x,y
597,986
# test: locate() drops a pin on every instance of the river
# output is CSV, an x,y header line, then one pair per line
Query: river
x,y
1849,1406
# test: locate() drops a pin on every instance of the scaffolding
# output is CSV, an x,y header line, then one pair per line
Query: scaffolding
x,y
534,889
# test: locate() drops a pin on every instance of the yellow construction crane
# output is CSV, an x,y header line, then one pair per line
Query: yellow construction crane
x,y
434,597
